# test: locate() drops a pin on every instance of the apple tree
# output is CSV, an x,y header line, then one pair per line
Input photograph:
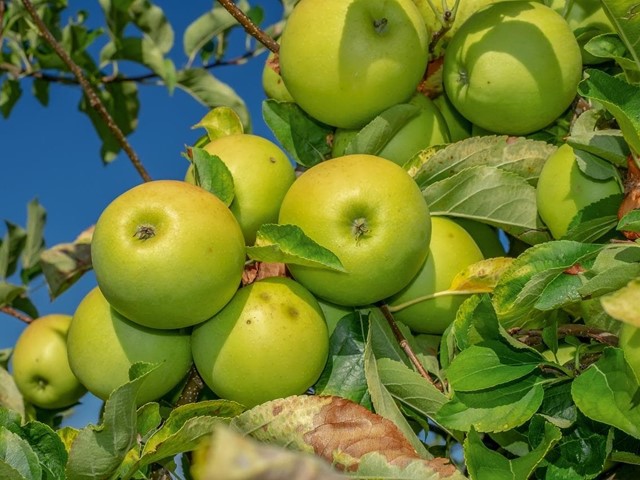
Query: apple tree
x,y
431,270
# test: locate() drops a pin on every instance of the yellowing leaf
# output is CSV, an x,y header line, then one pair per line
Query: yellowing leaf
x,y
220,122
482,276
624,304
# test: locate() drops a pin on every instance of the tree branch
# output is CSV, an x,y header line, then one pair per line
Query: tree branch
x,y
534,337
16,314
191,389
250,27
90,93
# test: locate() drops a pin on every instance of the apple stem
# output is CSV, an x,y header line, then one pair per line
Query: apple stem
x,y
424,298
380,26
404,344
16,314
250,27
145,232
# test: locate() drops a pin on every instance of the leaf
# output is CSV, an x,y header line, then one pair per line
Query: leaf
x,y
611,270
303,137
65,263
48,447
220,122
211,92
489,195
624,16
16,453
630,222
623,304
374,466
594,167
98,451
520,287
40,90
607,144
516,155
9,293
336,429
212,174
344,373
484,463
482,276
34,242
289,244
10,93
558,407
10,396
595,220
152,21
10,249
607,392
619,97
139,50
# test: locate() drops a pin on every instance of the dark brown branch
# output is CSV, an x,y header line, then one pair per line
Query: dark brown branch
x,y
250,27
192,389
16,314
534,337
90,93
404,344
2,10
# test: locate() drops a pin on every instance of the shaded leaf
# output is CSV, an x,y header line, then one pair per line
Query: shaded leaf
x,y
9,293
10,396
630,222
558,407
610,46
608,144
623,304
10,93
595,220
213,175
220,122
594,167
41,91
289,244
624,16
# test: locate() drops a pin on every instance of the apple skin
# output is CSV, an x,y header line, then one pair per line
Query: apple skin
x,y
629,342
370,213
424,130
40,366
272,83
190,227
345,61
563,190
261,173
512,67
269,342
485,236
102,346
458,126
451,250
333,313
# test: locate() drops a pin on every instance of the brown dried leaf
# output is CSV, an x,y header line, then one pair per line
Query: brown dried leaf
x,y
259,270
336,429
65,263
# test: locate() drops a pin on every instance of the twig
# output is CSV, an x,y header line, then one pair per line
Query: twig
x,y
404,344
250,27
192,389
534,337
92,96
16,314
2,10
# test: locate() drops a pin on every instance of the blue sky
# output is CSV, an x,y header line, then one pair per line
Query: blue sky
x,y
52,154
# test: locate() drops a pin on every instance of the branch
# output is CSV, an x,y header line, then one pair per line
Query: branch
x,y
16,314
404,344
250,27
92,96
534,337
192,389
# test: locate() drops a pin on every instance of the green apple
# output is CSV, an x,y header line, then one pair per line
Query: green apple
x,y
629,342
167,254
261,173
370,213
40,366
513,67
333,313
458,126
452,249
485,236
427,128
103,345
269,342
272,83
345,61
563,190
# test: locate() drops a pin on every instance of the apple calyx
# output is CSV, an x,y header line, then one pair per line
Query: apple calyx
x,y
144,232
380,26
359,228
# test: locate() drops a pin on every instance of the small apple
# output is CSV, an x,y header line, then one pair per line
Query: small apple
x,y
345,61
269,342
563,190
371,214
261,173
513,67
272,83
102,346
40,366
167,254
485,236
427,128
451,250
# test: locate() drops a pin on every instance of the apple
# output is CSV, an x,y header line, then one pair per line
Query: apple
x,y
345,61
261,173
272,83
167,254
269,342
103,345
40,366
371,214
452,249
333,313
563,190
629,342
424,130
458,126
485,236
513,67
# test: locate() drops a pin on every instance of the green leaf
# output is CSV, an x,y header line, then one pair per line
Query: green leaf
x,y
10,249
34,243
220,122
302,136
489,195
152,21
517,155
9,293
10,396
623,304
212,174
594,167
630,222
289,244
48,447
16,453
41,91
558,407
595,220
98,451
489,364
484,463
611,47
611,270
624,16
140,50
149,419
344,374
607,392
607,144
211,92
7,472
10,93
620,98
